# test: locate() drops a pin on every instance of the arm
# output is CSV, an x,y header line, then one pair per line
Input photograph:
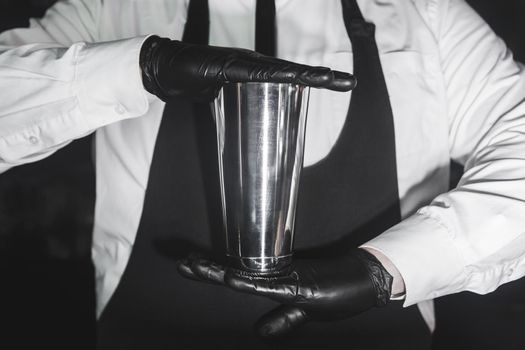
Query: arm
x,y
65,87
472,237
57,87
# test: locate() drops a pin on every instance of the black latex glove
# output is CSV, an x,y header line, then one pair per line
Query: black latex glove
x,y
315,289
172,68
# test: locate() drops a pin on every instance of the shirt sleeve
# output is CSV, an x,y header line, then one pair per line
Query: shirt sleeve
x,y
59,84
472,238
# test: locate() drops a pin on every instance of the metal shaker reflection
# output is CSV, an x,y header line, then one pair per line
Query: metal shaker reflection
x,y
260,134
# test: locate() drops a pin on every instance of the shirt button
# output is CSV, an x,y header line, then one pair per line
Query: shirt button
x,y
33,140
120,109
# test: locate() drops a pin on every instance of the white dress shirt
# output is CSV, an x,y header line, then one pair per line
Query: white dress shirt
x,y
456,93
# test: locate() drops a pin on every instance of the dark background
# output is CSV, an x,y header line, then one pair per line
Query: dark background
x,y
46,215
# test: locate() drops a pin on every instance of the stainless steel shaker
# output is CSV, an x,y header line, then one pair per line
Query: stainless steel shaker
x,y
260,134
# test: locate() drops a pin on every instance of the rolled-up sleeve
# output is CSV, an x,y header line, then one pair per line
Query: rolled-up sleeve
x,y
472,238
58,84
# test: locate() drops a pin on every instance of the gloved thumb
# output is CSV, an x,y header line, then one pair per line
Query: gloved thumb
x,y
280,321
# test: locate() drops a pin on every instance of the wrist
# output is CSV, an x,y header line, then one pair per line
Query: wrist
x,y
398,284
381,279
147,62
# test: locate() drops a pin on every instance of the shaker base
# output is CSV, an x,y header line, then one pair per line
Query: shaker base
x,y
262,267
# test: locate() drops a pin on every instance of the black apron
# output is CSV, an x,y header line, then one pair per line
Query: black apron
x,y
344,200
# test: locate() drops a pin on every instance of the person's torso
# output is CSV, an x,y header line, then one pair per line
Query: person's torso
x,y
308,32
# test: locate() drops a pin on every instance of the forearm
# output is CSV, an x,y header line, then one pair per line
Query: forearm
x,y
472,237
54,94
58,86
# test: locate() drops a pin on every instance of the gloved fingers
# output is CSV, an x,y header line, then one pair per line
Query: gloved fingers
x,y
280,321
183,267
200,268
269,69
314,76
321,77
343,81
281,289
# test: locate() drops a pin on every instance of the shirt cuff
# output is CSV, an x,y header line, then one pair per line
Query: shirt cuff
x,y
423,250
109,82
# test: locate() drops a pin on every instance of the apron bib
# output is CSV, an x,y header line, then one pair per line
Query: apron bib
x,y
344,200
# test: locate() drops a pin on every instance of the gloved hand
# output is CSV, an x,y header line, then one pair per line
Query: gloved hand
x,y
172,68
314,289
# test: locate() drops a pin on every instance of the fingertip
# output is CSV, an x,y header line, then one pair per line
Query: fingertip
x,y
182,264
280,322
271,330
324,78
342,82
184,269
